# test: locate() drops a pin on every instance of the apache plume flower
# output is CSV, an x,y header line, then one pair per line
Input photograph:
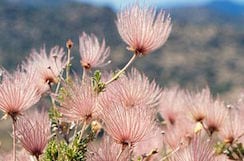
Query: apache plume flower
x,y
80,103
179,134
106,150
241,113
142,29
232,129
127,126
21,156
47,67
92,53
198,104
133,90
33,131
151,147
17,93
198,150
208,112
215,117
171,105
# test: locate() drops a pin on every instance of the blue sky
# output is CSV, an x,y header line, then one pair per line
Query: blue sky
x,y
117,4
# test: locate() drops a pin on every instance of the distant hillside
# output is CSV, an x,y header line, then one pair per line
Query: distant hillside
x,y
205,47
24,27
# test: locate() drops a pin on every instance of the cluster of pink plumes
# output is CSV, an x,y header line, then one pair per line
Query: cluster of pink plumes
x,y
141,120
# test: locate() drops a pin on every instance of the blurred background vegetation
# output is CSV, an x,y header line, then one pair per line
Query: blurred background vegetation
x,y
205,47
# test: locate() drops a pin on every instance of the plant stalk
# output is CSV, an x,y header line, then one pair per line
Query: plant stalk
x,y
116,76
14,138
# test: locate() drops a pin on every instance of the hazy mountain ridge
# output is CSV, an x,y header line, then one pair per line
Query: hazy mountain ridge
x,y
205,46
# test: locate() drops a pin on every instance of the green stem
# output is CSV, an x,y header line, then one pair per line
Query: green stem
x,y
76,128
37,158
206,130
14,139
170,153
121,71
68,65
121,151
82,130
238,137
53,102
59,83
83,75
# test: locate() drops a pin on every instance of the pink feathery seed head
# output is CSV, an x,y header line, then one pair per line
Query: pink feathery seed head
x,y
171,105
80,103
142,29
127,126
22,155
106,150
92,53
33,131
199,149
232,129
240,106
198,104
216,116
3,73
152,146
179,134
107,98
134,90
18,93
47,66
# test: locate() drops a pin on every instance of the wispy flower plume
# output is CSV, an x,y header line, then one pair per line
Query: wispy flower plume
x,y
171,105
133,90
198,104
150,148
127,126
47,66
198,150
232,129
142,29
80,102
106,150
216,115
21,156
33,131
179,134
18,93
92,53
